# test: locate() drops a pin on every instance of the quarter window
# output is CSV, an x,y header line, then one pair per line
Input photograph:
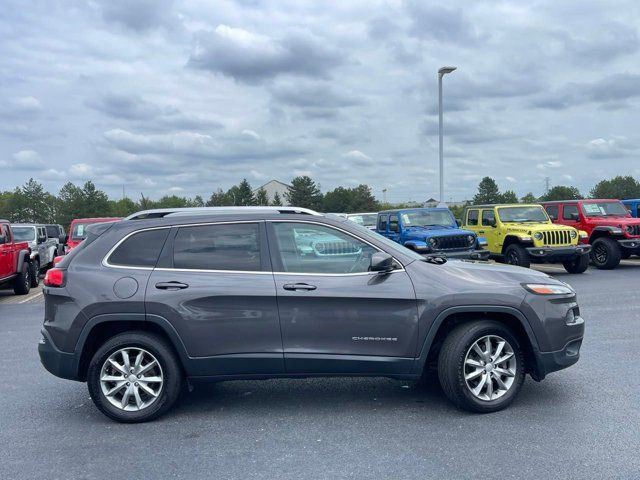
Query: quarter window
x,y
218,247
308,248
140,249
472,217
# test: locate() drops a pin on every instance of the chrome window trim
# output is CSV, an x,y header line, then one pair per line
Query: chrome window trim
x,y
105,260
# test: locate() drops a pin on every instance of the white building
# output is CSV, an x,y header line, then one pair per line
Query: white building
x,y
272,187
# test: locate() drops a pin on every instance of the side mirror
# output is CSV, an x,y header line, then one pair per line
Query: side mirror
x,y
394,227
62,239
574,217
381,262
3,239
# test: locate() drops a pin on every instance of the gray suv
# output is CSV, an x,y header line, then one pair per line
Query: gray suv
x,y
145,305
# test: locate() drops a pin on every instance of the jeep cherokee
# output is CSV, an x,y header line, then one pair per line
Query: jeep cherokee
x,y
143,306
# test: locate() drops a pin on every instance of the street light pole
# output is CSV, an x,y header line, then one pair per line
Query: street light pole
x,y
441,73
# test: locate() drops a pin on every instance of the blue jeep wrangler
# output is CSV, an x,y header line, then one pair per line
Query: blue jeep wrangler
x,y
431,231
633,206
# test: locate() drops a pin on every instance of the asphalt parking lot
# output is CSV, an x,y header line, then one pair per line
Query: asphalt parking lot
x,y
583,422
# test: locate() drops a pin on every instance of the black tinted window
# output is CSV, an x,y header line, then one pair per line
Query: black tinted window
x,y
488,218
382,222
52,231
472,217
140,249
218,247
569,212
552,211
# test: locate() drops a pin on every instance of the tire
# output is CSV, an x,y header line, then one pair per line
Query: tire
x,y
577,265
35,273
167,368
457,350
515,254
605,253
22,283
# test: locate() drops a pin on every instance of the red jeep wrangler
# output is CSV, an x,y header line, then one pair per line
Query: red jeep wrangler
x,y
613,232
15,264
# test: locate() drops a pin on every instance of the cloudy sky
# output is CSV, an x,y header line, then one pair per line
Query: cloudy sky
x,y
188,96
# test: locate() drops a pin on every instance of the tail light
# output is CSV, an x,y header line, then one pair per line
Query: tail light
x,y
55,277
57,260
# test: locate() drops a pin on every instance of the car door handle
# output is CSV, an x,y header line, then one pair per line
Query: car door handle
x,y
480,231
171,286
298,286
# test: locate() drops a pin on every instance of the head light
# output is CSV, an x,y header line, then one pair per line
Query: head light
x,y
545,289
433,242
471,239
629,228
573,234
537,235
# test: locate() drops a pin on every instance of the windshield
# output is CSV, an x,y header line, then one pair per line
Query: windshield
x,y
427,218
604,209
369,234
24,234
366,219
523,214
79,231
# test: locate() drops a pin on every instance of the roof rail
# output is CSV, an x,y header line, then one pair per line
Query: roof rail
x,y
172,212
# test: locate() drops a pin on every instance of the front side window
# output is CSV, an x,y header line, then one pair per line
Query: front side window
x,y
604,209
523,214
382,222
367,219
570,212
552,211
488,218
5,233
428,218
24,234
140,249
309,248
52,231
79,231
472,217
233,246
393,223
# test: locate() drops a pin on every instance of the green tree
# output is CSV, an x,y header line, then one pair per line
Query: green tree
x,y
220,198
620,187
277,201
122,207
337,200
509,197
31,203
172,201
529,198
5,203
243,195
488,192
196,202
561,192
362,200
261,197
82,202
304,193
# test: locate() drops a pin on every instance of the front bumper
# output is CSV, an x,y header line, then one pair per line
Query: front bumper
x,y
464,254
548,362
550,254
55,361
630,243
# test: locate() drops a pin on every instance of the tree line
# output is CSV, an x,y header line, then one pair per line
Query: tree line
x,y
32,203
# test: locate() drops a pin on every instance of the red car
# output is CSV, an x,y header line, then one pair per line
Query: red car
x,y
78,229
613,233
16,269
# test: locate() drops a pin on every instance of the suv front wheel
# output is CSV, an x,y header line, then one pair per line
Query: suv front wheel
x,y
134,377
481,366
605,253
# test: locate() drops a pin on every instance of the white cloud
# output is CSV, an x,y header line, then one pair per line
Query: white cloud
x,y
25,157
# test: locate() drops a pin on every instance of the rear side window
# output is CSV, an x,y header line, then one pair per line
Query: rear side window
x,y
218,247
488,218
52,231
382,222
472,217
140,249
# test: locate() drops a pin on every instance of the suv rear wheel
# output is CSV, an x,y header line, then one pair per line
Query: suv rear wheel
x,y
134,377
605,253
22,282
578,264
516,254
35,273
481,366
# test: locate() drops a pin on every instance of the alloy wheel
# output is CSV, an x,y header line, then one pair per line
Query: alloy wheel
x,y
600,253
131,379
490,367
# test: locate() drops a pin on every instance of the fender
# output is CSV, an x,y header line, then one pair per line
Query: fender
x,y
23,256
608,229
442,316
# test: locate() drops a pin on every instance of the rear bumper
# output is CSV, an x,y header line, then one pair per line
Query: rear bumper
x,y
55,361
558,253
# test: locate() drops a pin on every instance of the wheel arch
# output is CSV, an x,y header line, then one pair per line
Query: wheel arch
x,y
601,232
102,327
23,256
452,317
510,240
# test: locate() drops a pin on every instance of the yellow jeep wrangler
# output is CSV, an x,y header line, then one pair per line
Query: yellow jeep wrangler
x,y
521,234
